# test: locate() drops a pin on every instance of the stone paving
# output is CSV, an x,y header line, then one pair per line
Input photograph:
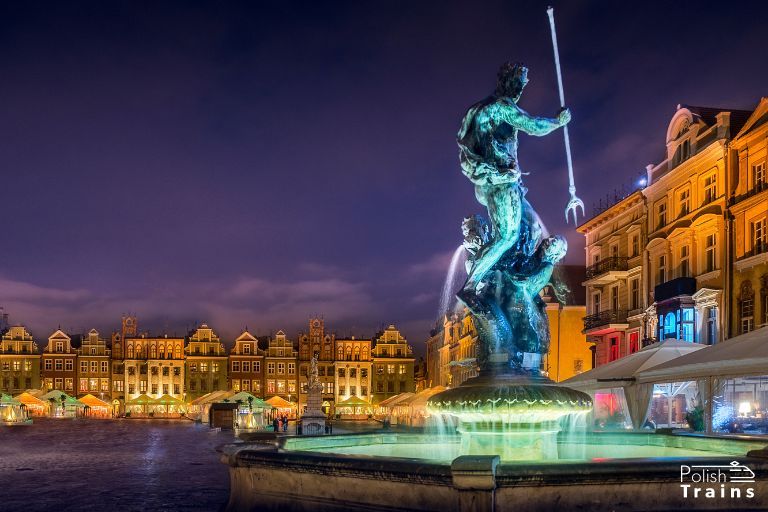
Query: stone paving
x,y
112,465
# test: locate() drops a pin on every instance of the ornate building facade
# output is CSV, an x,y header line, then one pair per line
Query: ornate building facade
x,y
94,371
699,220
393,366
749,211
19,361
206,363
353,369
58,363
246,365
281,376
154,366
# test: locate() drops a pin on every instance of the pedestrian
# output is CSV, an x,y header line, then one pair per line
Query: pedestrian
x,y
326,428
285,423
275,424
330,427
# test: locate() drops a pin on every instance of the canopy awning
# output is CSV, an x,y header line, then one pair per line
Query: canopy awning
x,y
8,400
625,371
59,397
141,400
168,400
213,396
29,399
92,401
353,401
740,356
280,402
248,399
394,400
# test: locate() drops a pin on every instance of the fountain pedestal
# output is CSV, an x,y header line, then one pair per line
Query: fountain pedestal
x,y
512,413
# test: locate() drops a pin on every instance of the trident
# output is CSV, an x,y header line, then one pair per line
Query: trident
x,y
574,203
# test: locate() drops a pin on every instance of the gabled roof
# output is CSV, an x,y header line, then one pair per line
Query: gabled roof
x,y
758,117
246,336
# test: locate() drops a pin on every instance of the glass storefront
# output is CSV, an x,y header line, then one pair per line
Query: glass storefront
x,y
740,405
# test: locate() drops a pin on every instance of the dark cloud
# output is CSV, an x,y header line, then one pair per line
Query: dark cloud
x,y
254,163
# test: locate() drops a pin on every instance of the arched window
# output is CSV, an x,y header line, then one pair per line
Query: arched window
x,y
357,353
138,352
349,353
747,307
130,351
117,351
153,352
177,352
341,354
162,351
366,355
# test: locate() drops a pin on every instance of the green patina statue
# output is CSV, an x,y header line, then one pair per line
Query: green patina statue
x,y
510,261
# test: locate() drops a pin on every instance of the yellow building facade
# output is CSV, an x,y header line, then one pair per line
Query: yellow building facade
x,y
700,218
206,363
749,211
19,361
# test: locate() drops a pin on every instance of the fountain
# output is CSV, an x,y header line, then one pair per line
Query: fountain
x,y
511,408
512,447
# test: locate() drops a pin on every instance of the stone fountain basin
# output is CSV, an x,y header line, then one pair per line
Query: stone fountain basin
x,y
353,472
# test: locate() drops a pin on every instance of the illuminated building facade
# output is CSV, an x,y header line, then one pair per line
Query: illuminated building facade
x,y
58,363
749,211
94,366
19,361
154,366
129,327
281,376
317,342
353,369
206,363
246,365
393,365
700,220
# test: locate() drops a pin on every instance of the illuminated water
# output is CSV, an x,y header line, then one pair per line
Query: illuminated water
x,y
120,465
591,447
455,272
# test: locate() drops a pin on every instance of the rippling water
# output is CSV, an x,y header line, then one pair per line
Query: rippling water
x,y
117,465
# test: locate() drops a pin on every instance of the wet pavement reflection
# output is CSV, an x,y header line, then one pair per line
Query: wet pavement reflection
x,y
119,465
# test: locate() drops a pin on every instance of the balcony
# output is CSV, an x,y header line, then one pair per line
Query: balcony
x,y
607,271
757,256
606,321
675,288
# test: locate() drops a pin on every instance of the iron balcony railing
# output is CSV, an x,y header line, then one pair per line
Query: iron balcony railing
x,y
610,316
607,265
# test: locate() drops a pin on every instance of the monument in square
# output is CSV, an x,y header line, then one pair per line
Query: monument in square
x,y
511,407
313,419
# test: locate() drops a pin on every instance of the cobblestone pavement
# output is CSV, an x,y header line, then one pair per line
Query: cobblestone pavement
x,y
112,465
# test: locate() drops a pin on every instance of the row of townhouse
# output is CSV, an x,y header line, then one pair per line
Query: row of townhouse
x,y
684,256
185,368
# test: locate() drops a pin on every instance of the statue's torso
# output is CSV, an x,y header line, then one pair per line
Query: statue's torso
x,y
488,135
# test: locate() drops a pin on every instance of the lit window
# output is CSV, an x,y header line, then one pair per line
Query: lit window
x,y
662,267
710,252
710,188
758,175
614,349
685,261
684,202
661,215
759,236
747,307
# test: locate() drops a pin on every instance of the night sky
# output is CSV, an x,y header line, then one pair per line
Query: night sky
x,y
256,163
